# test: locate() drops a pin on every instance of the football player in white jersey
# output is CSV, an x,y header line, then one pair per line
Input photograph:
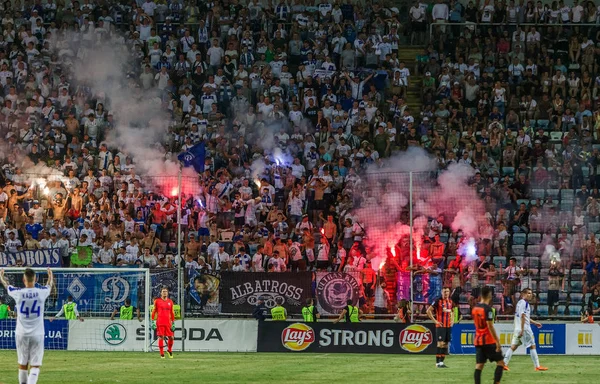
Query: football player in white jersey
x,y
523,334
30,302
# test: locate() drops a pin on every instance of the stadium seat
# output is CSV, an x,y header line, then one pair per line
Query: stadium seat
x,y
553,193
534,263
508,171
519,259
585,171
567,205
576,298
561,309
577,274
444,237
519,239
534,238
562,296
542,310
543,297
556,136
567,194
499,259
518,250
538,193
523,201
594,227
533,250
544,124
576,286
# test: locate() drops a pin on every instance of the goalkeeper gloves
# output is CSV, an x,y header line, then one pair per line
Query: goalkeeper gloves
x,y
153,326
173,327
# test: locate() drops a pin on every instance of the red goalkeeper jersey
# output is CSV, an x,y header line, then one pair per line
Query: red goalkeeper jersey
x,y
163,312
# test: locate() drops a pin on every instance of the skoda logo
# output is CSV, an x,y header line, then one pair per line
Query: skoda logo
x,y
115,334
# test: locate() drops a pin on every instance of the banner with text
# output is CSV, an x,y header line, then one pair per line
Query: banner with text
x,y
279,336
38,258
203,291
550,339
164,278
241,290
334,289
56,334
584,339
99,293
200,335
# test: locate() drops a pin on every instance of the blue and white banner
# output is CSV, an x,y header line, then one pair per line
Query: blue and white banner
x,y
550,339
56,334
100,293
39,258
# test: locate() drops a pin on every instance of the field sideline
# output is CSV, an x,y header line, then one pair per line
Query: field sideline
x,y
265,368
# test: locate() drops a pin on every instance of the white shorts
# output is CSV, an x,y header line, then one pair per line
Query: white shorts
x,y
30,350
527,340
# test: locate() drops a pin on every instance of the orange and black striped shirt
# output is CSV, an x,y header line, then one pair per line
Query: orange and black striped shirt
x,y
443,312
482,313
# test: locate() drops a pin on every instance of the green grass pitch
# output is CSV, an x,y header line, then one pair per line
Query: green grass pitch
x,y
266,368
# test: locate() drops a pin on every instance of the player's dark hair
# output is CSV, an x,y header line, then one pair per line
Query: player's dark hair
x,y
486,292
525,290
29,275
128,301
164,287
309,301
349,302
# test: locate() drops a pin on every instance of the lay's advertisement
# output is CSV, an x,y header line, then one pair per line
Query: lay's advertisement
x,y
327,337
549,340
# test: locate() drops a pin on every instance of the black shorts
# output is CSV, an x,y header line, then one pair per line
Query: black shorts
x,y
443,334
552,297
483,353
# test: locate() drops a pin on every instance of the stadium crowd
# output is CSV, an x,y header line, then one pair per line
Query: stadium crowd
x,y
320,82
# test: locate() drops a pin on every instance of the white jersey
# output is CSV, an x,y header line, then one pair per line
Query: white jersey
x,y
523,307
30,309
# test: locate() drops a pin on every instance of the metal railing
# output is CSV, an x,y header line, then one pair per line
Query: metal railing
x,y
506,25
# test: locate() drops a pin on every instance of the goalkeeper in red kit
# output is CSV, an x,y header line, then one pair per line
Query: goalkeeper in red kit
x,y
163,320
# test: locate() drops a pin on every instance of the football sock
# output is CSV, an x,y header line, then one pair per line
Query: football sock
x,y
33,376
22,376
477,376
498,373
508,355
170,345
161,346
444,353
534,357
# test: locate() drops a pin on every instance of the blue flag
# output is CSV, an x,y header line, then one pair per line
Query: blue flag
x,y
194,157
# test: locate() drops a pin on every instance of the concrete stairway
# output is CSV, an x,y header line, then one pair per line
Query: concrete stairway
x,y
408,54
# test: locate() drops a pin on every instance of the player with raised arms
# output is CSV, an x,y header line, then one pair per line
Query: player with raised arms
x,y
523,334
29,334
163,317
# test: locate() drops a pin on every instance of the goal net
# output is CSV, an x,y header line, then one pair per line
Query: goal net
x,y
98,295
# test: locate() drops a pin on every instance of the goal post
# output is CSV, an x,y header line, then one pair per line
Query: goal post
x,y
98,292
